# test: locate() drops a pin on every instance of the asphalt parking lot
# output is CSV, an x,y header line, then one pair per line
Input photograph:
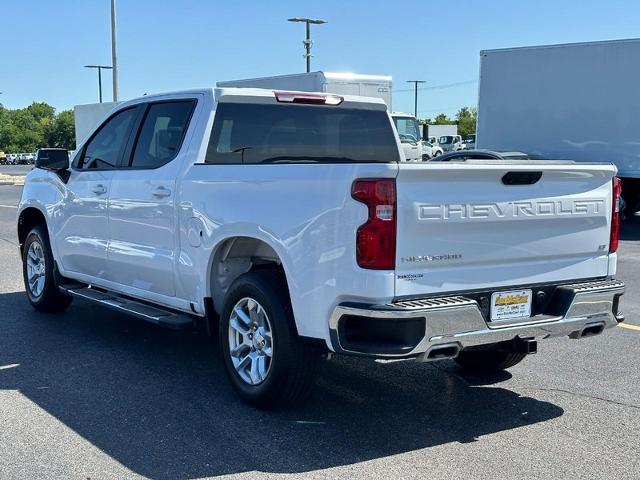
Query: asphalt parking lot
x,y
15,169
93,394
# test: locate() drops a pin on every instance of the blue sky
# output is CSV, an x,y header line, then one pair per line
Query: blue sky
x,y
170,44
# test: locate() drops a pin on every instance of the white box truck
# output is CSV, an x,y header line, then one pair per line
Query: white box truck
x,y
577,101
88,116
377,86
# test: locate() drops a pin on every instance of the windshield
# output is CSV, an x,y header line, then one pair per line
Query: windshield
x,y
470,138
254,133
446,139
407,128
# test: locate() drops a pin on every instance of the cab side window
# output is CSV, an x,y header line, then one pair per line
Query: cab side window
x,y
106,146
161,134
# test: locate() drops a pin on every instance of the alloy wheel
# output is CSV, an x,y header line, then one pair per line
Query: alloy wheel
x,y
250,341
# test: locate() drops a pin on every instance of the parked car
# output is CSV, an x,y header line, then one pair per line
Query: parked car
x,y
470,142
436,149
3,158
486,155
289,227
12,158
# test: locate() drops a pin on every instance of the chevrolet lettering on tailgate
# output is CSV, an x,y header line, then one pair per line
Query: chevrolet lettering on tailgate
x,y
511,209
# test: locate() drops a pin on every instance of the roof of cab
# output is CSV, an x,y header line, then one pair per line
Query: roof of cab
x,y
255,95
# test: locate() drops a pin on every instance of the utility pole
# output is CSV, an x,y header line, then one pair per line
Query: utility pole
x,y
308,43
99,68
415,100
114,50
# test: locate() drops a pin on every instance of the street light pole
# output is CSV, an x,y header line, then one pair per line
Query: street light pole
x,y
308,43
114,50
415,99
99,68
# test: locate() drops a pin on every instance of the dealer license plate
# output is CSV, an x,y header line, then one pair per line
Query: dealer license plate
x,y
514,304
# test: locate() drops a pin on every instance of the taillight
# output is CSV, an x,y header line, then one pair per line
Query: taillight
x,y
376,239
615,215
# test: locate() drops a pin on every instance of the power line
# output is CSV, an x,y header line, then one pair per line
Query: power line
x,y
438,87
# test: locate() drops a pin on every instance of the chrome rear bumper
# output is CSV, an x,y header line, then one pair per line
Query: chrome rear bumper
x,y
575,310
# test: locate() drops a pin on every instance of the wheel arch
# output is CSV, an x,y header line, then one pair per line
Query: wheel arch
x,y
235,255
28,218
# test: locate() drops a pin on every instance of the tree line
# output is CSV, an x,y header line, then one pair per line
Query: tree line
x,y
466,119
24,130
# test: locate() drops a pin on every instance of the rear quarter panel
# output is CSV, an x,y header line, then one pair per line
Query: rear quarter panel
x,y
304,212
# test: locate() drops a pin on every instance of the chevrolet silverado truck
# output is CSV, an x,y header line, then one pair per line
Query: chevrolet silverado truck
x,y
285,224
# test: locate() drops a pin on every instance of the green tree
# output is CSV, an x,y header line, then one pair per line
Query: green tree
x,y
41,111
63,133
442,119
26,129
466,118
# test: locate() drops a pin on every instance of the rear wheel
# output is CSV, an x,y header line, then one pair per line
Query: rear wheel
x,y
266,362
38,273
488,361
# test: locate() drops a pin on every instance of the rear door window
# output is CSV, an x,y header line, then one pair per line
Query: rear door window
x,y
276,134
161,134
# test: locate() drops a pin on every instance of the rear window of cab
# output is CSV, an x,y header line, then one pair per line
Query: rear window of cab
x,y
281,134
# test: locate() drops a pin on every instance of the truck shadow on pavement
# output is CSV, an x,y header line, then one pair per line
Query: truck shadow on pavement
x,y
630,228
158,402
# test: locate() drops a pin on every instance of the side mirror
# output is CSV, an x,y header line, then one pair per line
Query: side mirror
x,y
52,159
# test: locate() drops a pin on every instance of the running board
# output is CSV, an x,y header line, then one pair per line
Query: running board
x,y
153,314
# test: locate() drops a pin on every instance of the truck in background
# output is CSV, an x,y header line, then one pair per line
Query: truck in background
x,y
576,101
433,132
376,86
451,143
409,133
88,116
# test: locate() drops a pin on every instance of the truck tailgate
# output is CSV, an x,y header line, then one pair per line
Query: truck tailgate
x,y
465,226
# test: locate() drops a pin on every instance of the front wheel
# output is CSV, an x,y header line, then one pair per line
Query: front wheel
x,y
266,362
38,273
488,361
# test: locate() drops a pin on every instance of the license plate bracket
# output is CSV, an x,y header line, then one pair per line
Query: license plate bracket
x,y
511,304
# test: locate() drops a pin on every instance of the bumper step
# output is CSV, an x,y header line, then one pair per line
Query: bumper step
x,y
135,308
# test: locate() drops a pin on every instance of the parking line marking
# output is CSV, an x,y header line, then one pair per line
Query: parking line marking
x,y
8,206
12,365
630,326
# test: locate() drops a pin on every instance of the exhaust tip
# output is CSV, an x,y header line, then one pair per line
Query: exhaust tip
x,y
592,330
589,331
443,352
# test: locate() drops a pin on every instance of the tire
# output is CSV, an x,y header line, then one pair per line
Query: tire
x,y
488,361
285,374
38,263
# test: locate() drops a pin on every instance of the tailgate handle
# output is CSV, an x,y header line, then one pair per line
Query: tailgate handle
x,y
521,178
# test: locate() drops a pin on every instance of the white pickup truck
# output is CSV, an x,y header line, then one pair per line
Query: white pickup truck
x,y
285,224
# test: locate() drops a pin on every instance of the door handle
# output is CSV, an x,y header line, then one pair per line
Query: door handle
x,y
99,189
161,192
